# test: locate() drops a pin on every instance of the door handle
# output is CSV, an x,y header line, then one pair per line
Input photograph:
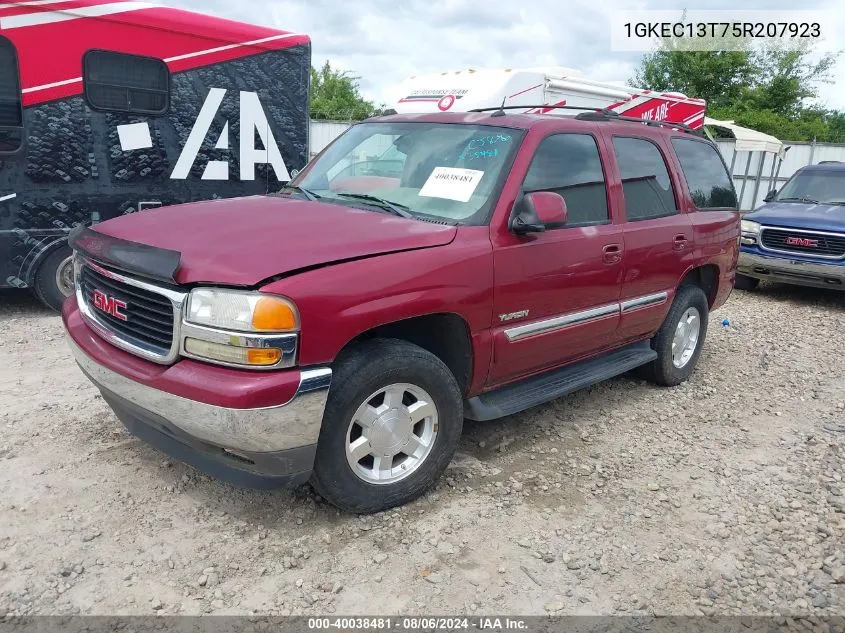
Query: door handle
x,y
612,253
680,242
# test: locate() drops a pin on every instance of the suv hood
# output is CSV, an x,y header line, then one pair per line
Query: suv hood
x,y
799,215
242,241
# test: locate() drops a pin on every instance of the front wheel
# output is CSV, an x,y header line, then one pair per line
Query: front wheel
x,y
679,340
392,423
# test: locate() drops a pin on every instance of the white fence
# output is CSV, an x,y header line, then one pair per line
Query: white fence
x,y
754,174
322,133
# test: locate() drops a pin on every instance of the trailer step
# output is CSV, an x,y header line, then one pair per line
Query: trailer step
x,y
538,390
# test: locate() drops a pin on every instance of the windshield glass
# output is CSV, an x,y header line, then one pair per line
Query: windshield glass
x,y
821,186
444,171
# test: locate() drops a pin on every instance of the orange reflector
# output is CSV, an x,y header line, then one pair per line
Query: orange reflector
x,y
269,356
273,314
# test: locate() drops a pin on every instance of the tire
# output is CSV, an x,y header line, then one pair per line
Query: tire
x,y
746,283
664,370
47,278
360,374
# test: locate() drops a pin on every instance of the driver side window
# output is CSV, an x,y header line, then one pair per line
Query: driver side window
x,y
569,164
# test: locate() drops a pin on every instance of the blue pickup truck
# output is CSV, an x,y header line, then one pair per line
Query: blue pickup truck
x,y
798,235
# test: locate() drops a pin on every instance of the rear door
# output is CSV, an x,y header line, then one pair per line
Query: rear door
x,y
657,234
556,292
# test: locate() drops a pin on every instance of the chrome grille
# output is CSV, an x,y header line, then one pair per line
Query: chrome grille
x,y
800,242
147,321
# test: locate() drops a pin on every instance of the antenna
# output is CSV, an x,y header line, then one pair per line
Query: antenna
x,y
501,110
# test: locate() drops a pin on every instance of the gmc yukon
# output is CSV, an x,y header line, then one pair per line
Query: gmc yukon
x,y
339,331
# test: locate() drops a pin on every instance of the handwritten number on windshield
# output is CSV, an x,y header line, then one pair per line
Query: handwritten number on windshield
x,y
482,146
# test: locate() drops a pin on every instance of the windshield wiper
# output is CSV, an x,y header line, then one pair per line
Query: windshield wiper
x,y
394,207
838,203
305,192
798,199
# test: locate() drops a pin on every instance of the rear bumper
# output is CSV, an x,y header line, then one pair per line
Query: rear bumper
x,y
262,446
791,271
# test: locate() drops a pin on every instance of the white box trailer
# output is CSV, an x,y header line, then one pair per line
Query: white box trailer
x,y
465,90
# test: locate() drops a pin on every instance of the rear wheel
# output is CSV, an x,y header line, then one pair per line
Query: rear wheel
x,y
746,283
392,423
679,340
54,278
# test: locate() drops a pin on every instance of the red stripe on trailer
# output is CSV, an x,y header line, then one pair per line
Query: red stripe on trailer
x,y
183,39
516,94
9,9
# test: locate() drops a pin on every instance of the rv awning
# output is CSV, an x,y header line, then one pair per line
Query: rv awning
x,y
748,140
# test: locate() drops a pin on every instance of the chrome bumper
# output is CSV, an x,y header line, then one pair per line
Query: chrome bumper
x,y
293,424
791,270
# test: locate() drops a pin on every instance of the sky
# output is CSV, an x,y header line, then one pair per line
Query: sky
x,y
383,42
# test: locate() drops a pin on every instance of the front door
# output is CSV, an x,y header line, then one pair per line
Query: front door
x,y
557,292
657,234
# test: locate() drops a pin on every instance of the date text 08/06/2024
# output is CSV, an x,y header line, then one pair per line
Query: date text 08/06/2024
x,y
416,623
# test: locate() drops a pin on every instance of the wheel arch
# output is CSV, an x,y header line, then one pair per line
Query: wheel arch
x,y
706,277
444,334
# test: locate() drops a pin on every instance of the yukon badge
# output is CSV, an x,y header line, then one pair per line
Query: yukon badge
x,y
510,316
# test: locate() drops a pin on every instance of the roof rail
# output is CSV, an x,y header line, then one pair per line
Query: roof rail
x,y
828,162
594,114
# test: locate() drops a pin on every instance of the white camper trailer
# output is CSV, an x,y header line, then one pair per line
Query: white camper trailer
x,y
465,90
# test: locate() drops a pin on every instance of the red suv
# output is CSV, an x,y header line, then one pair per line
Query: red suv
x,y
341,330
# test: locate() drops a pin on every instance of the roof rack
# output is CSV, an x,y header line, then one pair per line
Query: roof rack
x,y
828,162
592,114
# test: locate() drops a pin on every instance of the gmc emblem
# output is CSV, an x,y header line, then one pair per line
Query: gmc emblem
x,y
802,241
109,305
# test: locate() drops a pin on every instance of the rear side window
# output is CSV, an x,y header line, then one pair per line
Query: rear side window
x,y
709,183
645,179
569,164
117,82
11,109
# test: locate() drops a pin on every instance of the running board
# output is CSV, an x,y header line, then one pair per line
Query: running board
x,y
537,390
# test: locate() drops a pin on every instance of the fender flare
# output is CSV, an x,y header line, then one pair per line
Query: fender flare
x,y
33,260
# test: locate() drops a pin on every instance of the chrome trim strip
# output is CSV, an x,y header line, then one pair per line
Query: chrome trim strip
x,y
176,299
799,253
285,342
561,322
642,302
265,429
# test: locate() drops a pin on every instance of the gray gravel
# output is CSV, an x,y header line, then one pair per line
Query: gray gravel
x,y
722,496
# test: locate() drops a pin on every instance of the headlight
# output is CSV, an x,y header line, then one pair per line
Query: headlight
x,y
750,227
240,328
241,311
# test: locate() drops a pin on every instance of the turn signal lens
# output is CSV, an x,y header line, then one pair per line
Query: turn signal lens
x,y
272,314
269,356
247,356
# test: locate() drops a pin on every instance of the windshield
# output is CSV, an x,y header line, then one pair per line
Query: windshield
x,y
425,170
818,186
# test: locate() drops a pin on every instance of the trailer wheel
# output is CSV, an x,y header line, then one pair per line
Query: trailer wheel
x,y
54,278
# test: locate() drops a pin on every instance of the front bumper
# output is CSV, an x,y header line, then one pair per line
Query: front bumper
x,y
791,271
262,446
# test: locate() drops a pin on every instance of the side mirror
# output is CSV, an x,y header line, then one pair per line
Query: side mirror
x,y
771,195
538,210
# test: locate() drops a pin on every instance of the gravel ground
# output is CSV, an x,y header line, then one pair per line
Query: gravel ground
x,y
722,496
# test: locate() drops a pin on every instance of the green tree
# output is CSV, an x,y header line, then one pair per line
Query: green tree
x,y
335,95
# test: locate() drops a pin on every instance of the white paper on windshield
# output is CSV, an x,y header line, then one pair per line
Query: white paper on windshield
x,y
452,183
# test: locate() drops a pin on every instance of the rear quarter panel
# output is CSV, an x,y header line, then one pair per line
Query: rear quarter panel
x,y
339,302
